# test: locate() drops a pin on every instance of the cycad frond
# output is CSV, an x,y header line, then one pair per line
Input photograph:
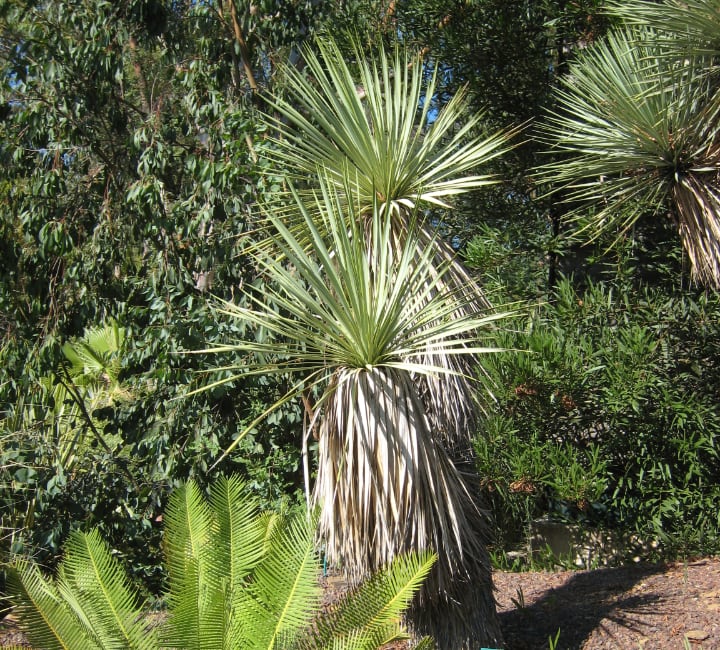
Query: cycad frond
x,y
196,596
91,607
284,592
370,616
103,596
240,532
45,617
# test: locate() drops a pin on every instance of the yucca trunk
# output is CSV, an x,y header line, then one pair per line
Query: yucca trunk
x,y
386,484
697,209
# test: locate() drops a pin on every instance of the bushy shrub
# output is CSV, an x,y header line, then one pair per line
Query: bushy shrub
x,y
610,416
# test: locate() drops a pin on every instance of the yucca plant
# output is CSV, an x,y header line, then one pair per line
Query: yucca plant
x,y
379,319
637,131
375,126
377,123
692,26
358,317
237,579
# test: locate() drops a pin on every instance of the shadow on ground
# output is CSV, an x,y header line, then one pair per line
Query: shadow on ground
x,y
577,608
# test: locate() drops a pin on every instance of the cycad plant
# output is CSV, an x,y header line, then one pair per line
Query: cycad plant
x,y
360,316
237,579
637,128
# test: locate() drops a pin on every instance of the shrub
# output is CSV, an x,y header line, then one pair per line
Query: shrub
x,y
610,417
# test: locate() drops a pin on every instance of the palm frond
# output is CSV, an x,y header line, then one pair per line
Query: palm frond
x,y
95,355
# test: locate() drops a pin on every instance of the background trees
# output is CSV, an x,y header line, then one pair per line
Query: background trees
x,y
131,165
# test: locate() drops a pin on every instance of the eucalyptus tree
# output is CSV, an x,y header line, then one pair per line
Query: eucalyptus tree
x,y
127,133
637,126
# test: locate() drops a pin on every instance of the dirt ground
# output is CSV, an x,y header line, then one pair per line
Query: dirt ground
x,y
638,607
641,607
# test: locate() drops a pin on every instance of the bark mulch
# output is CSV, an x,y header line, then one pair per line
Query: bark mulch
x,y
638,607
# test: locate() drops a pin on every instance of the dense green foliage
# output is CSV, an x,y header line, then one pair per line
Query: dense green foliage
x,y
137,141
610,418
237,578
131,163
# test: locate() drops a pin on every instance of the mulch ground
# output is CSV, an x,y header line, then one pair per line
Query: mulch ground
x,y
641,607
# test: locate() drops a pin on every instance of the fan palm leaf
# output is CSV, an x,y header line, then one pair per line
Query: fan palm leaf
x,y
95,356
638,131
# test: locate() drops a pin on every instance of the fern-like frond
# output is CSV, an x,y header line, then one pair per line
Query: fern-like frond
x,y
97,586
285,591
240,530
370,616
240,544
188,525
196,597
45,617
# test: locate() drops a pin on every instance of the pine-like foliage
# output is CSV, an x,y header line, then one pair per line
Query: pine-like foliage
x,y
237,579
